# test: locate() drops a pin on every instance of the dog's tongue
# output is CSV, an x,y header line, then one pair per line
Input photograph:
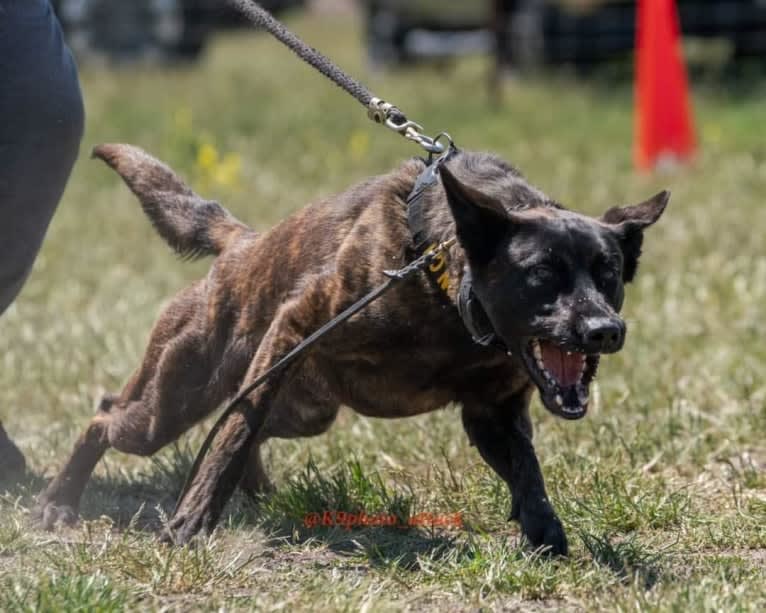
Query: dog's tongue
x,y
563,365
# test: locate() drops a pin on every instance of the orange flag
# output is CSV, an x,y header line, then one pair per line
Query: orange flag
x,y
664,130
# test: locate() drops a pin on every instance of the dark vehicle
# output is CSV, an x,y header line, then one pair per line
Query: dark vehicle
x,y
165,29
580,32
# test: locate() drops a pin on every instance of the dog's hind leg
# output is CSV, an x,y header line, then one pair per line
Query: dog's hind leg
x,y
224,464
60,501
170,392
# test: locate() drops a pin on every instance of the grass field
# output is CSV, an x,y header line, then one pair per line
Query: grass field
x,y
662,488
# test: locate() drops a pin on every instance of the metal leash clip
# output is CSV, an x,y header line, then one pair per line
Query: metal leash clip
x,y
386,113
420,263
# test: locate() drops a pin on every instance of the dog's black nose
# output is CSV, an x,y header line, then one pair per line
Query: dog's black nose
x,y
602,334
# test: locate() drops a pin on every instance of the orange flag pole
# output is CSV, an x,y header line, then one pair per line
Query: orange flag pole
x,y
664,132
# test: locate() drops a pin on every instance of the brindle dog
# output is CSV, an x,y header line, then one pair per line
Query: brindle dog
x,y
550,281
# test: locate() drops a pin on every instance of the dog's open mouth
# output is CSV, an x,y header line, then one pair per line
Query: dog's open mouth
x,y
562,375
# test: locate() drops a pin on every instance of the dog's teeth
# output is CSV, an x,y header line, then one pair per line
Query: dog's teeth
x,y
559,400
537,351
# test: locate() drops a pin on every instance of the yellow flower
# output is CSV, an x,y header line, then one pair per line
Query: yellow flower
x,y
214,170
207,157
227,173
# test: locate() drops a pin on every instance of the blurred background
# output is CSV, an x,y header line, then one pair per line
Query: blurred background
x,y
672,452
525,33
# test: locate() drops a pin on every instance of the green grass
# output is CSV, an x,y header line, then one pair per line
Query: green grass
x,y
661,488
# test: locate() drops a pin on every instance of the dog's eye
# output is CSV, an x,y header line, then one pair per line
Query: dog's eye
x,y
542,274
608,274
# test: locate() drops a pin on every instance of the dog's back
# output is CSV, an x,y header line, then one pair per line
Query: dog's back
x,y
345,232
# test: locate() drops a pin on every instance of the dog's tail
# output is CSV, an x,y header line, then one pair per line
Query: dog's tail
x,y
192,226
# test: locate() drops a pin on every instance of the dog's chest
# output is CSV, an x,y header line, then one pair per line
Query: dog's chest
x,y
406,382
396,388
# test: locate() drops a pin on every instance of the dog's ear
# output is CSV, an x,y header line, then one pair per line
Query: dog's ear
x,y
629,222
480,221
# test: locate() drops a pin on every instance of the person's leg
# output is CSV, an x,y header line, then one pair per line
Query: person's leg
x,y
41,124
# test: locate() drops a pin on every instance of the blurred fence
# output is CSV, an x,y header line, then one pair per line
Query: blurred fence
x,y
580,32
520,32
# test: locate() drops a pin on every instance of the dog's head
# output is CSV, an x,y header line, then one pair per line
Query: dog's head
x,y
550,280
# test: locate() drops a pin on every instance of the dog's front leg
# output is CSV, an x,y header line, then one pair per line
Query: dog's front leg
x,y
220,471
224,465
504,439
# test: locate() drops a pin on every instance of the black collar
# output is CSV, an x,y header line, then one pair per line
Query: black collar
x,y
470,309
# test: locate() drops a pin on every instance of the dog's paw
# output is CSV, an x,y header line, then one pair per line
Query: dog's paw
x,y
174,538
543,529
166,537
183,527
49,515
